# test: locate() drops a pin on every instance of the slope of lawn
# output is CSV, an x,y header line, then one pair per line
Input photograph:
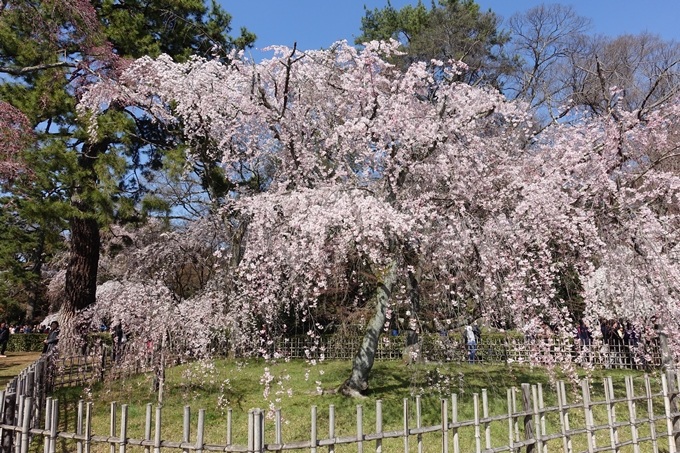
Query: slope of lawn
x,y
12,365
294,387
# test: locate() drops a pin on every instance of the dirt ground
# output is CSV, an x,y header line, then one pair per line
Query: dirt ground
x,y
12,365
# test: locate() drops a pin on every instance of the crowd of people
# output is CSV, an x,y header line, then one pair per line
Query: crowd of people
x,y
52,332
619,342
27,328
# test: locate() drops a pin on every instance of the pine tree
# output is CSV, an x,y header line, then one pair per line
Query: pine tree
x,y
50,52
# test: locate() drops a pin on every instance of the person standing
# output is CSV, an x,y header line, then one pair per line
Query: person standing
x,y
52,338
471,342
585,338
4,338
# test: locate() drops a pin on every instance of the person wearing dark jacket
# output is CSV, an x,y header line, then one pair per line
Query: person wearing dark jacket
x,y
4,338
52,338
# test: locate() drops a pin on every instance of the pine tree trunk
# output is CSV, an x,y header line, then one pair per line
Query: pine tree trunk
x,y
35,287
357,383
81,279
81,272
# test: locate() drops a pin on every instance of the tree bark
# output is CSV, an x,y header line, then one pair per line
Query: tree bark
x,y
81,272
357,383
667,360
81,279
35,286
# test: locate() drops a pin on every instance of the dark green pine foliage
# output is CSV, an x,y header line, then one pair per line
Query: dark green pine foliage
x,y
448,30
50,51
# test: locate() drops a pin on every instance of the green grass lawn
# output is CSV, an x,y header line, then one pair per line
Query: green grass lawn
x,y
12,365
294,388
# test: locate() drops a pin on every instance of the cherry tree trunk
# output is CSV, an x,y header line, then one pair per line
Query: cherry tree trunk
x,y
357,383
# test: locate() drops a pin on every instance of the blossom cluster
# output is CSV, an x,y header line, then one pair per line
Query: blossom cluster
x,y
369,167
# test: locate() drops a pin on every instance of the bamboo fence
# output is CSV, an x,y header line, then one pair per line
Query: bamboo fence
x,y
25,404
493,350
633,422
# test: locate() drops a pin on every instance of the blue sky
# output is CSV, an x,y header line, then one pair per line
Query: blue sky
x,y
315,24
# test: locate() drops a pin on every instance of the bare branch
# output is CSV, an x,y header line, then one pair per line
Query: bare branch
x,y
30,69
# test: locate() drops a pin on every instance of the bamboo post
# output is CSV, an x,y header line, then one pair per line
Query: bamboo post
x,y
251,427
378,425
186,427
630,394
123,428
650,411
112,430
565,416
673,382
454,421
7,417
39,389
475,405
485,414
157,434
79,426
25,425
588,415
147,426
229,421
48,424
445,426
18,419
405,425
54,424
511,437
669,417
514,410
611,414
36,410
541,412
360,428
331,427
200,431
313,439
88,427
30,387
419,423
537,421
261,431
528,423
257,431
279,434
